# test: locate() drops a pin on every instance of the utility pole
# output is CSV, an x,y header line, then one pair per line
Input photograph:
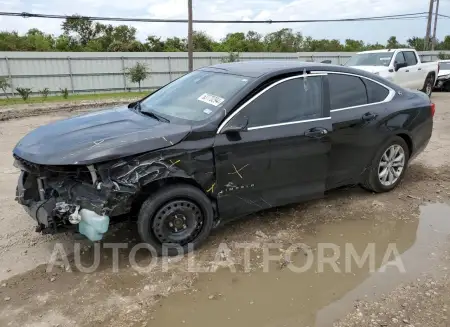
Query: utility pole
x,y
190,43
430,18
433,44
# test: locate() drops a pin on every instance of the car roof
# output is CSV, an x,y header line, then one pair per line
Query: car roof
x,y
385,50
258,68
264,70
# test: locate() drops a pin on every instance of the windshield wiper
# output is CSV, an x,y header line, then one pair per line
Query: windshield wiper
x,y
138,107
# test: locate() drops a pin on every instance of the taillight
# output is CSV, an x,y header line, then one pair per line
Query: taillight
x,y
433,109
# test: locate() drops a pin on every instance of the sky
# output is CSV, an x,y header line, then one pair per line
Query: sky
x,y
378,31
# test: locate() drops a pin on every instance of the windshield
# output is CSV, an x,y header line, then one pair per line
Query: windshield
x,y
195,96
370,59
444,65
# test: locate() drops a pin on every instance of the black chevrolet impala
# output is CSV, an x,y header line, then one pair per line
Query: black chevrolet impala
x,y
221,142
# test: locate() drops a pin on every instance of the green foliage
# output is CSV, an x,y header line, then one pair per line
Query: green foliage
x,y
44,92
82,34
24,92
443,56
5,85
232,57
137,73
64,92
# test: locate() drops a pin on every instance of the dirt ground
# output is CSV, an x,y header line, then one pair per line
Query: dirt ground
x,y
217,286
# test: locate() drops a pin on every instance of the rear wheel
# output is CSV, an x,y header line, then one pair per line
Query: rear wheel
x,y
388,167
428,86
175,219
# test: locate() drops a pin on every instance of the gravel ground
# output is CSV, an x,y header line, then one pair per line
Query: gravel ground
x,y
32,296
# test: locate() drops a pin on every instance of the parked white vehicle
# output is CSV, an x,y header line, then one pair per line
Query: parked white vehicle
x,y
401,66
443,80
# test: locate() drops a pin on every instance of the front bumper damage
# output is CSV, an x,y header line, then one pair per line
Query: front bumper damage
x,y
83,198
54,214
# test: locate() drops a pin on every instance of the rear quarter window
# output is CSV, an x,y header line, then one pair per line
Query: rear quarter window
x,y
375,92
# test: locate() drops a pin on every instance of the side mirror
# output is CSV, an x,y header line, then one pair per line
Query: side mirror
x,y
132,104
238,125
399,65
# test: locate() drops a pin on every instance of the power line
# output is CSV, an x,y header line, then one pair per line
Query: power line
x,y
213,21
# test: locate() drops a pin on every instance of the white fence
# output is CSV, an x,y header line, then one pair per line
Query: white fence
x,y
90,72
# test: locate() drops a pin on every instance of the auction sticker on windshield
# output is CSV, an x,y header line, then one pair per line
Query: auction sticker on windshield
x,y
211,99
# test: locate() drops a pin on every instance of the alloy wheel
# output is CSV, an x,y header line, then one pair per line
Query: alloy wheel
x,y
391,165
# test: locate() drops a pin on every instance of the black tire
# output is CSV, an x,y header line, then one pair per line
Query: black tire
x,y
446,87
428,85
153,208
371,181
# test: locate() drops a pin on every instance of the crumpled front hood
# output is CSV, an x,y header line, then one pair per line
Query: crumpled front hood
x,y
372,69
98,136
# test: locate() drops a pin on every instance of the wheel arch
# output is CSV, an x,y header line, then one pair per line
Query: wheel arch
x,y
408,139
158,184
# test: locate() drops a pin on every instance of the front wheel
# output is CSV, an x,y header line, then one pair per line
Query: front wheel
x,y
175,219
388,167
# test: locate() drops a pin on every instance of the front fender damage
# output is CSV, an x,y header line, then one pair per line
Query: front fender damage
x,y
95,193
125,179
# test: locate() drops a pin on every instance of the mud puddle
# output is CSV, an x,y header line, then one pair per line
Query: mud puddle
x,y
318,281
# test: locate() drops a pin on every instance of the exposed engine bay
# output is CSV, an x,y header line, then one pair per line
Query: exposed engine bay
x,y
84,197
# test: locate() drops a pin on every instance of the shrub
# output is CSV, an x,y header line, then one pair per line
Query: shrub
x,y
232,57
44,92
4,85
443,56
65,92
137,73
24,92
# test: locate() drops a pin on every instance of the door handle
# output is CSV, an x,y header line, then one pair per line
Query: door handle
x,y
316,132
406,71
368,116
419,68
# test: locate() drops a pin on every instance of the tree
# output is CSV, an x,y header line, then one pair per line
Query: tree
x,y
232,57
284,40
82,34
175,44
202,42
392,43
81,28
417,43
138,73
4,85
154,43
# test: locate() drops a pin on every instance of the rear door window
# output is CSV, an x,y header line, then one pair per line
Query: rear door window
x,y
346,91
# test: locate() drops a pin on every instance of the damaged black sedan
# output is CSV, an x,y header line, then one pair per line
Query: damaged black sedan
x,y
219,143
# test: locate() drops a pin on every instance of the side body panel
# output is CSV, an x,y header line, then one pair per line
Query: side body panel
x,y
242,164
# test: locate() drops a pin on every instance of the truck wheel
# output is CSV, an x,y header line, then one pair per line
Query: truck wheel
x,y
175,219
388,166
428,85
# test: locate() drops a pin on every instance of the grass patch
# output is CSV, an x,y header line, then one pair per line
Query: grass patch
x,y
73,97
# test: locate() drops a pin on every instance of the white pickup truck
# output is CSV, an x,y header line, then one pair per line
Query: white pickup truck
x,y
401,66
